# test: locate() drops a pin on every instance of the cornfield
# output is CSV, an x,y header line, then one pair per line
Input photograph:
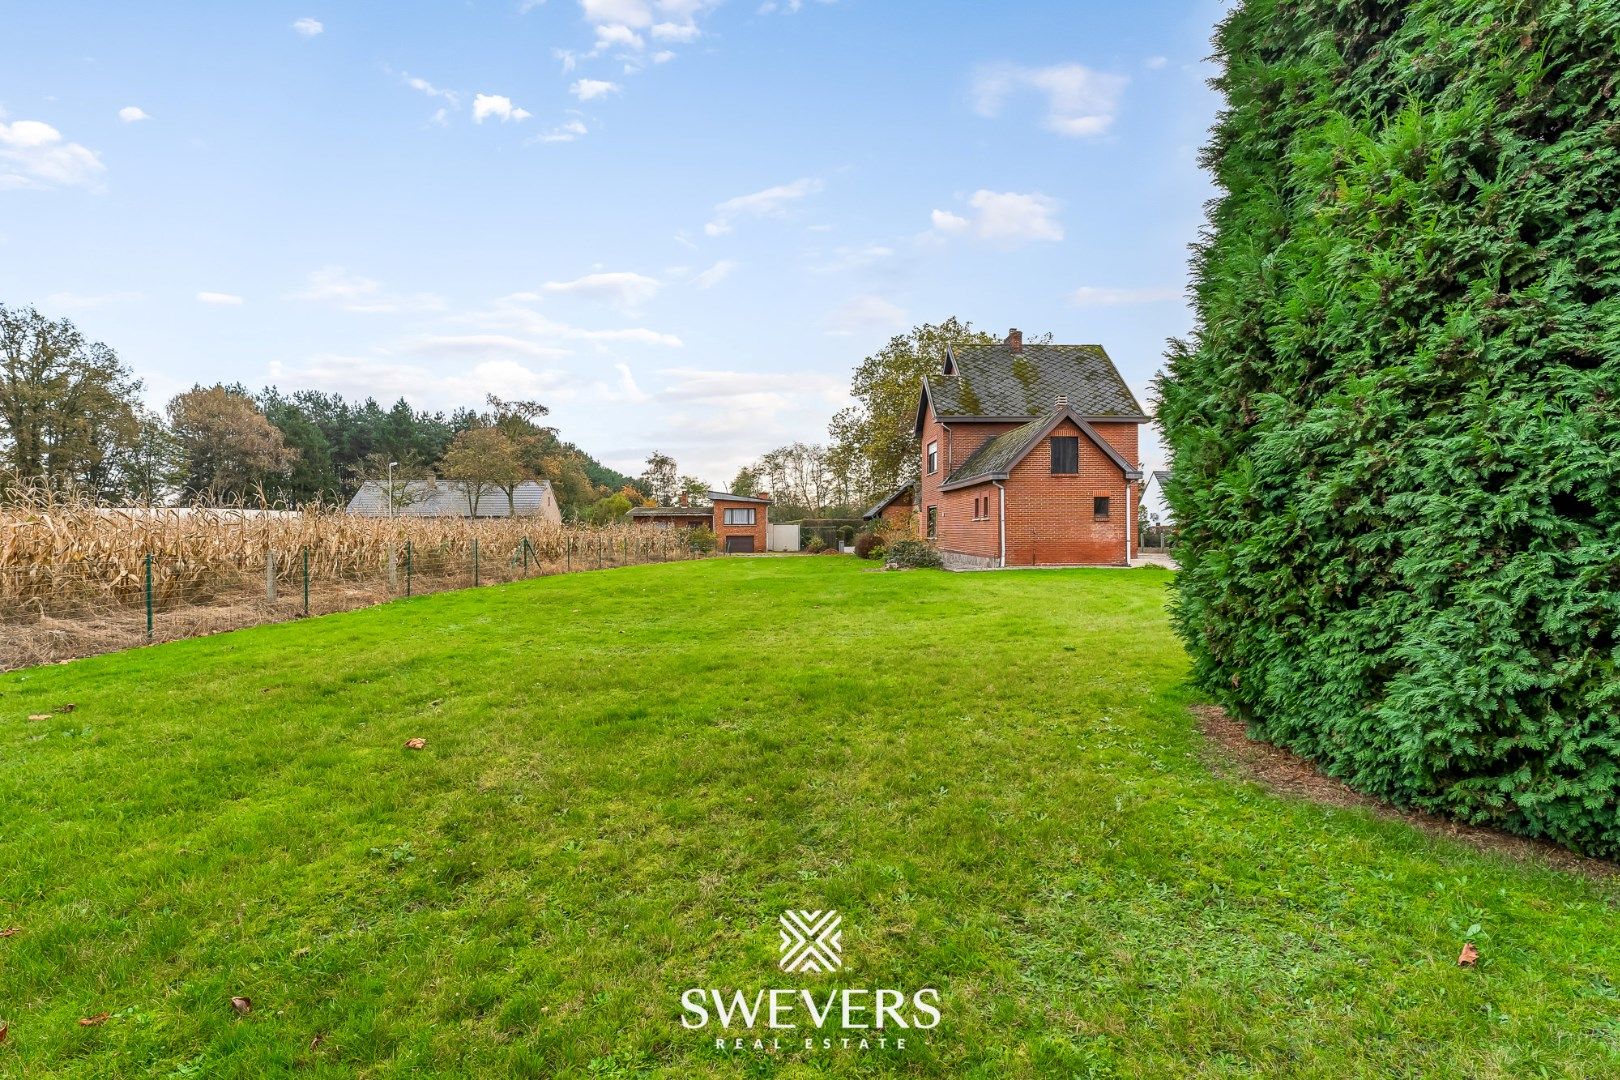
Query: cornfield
x,y
78,578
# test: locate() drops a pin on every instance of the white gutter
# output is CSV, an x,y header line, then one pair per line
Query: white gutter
x,y
1001,520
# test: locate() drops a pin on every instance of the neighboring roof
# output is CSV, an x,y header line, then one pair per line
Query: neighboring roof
x,y
904,489
996,458
726,496
704,512
1001,383
1160,476
442,498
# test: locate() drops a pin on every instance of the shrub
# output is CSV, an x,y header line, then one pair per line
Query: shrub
x,y
1394,432
702,539
831,551
816,545
915,553
866,543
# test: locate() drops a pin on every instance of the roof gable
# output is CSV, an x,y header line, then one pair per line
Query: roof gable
x,y
996,458
1006,383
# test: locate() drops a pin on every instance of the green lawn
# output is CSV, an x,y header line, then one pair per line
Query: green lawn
x,y
630,774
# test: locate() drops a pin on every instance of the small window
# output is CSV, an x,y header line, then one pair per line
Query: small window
x,y
933,457
1065,453
740,516
933,522
1099,506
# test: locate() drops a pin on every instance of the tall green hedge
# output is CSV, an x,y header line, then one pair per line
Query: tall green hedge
x,y
1396,432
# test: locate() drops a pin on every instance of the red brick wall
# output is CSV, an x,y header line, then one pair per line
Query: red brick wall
x,y
957,441
722,530
900,513
961,532
1049,518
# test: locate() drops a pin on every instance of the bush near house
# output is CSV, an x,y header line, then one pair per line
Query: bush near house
x,y
915,554
701,540
867,543
1396,444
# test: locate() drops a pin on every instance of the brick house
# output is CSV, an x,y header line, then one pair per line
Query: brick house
x,y
899,509
1029,456
737,521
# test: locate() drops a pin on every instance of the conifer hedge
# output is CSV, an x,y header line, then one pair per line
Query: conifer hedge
x,y
1396,431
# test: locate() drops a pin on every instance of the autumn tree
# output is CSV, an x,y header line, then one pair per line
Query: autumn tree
x,y
481,459
872,441
661,478
68,406
747,481
227,446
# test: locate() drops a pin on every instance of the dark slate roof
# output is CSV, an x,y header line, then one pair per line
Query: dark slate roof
x,y
995,459
1160,476
704,512
726,496
442,498
996,381
904,489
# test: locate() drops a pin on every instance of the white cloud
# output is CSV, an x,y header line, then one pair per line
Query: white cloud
x,y
586,89
618,34
626,390
1079,101
1154,63
681,32
620,287
636,13
308,27
864,314
566,132
336,286
1004,217
715,274
34,155
854,258
129,114
482,345
513,315
567,58
383,377
221,299
771,202
417,83
663,57
1104,296
497,105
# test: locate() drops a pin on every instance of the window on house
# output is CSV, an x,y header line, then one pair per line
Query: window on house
x,y
1065,453
1099,506
933,523
933,457
740,516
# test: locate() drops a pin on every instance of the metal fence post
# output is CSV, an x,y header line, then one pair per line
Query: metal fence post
x,y
270,576
599,553
525,555
475,561
568,554
148,596
407,568
306,580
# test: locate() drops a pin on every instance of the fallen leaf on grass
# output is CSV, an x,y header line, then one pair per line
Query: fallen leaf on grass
x,y
4,1031
1469,957
92,1021
242,1005
416,744
316,1041
66,708
10,931
39,716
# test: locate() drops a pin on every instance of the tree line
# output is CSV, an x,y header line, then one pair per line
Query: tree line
x,y
71,415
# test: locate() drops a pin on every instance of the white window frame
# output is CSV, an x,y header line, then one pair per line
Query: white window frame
x,y
745,512
933,457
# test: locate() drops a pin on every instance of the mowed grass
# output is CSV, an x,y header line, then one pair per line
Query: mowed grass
x,y
630,774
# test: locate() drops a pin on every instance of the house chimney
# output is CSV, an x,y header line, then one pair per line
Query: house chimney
x,y
1015,340
763,496
684,500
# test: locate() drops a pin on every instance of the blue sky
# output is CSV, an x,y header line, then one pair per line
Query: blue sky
x,y
680,223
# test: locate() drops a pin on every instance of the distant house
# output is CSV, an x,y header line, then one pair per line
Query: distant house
x,y
1155,510
1028,456
899,509
445,498
737,521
